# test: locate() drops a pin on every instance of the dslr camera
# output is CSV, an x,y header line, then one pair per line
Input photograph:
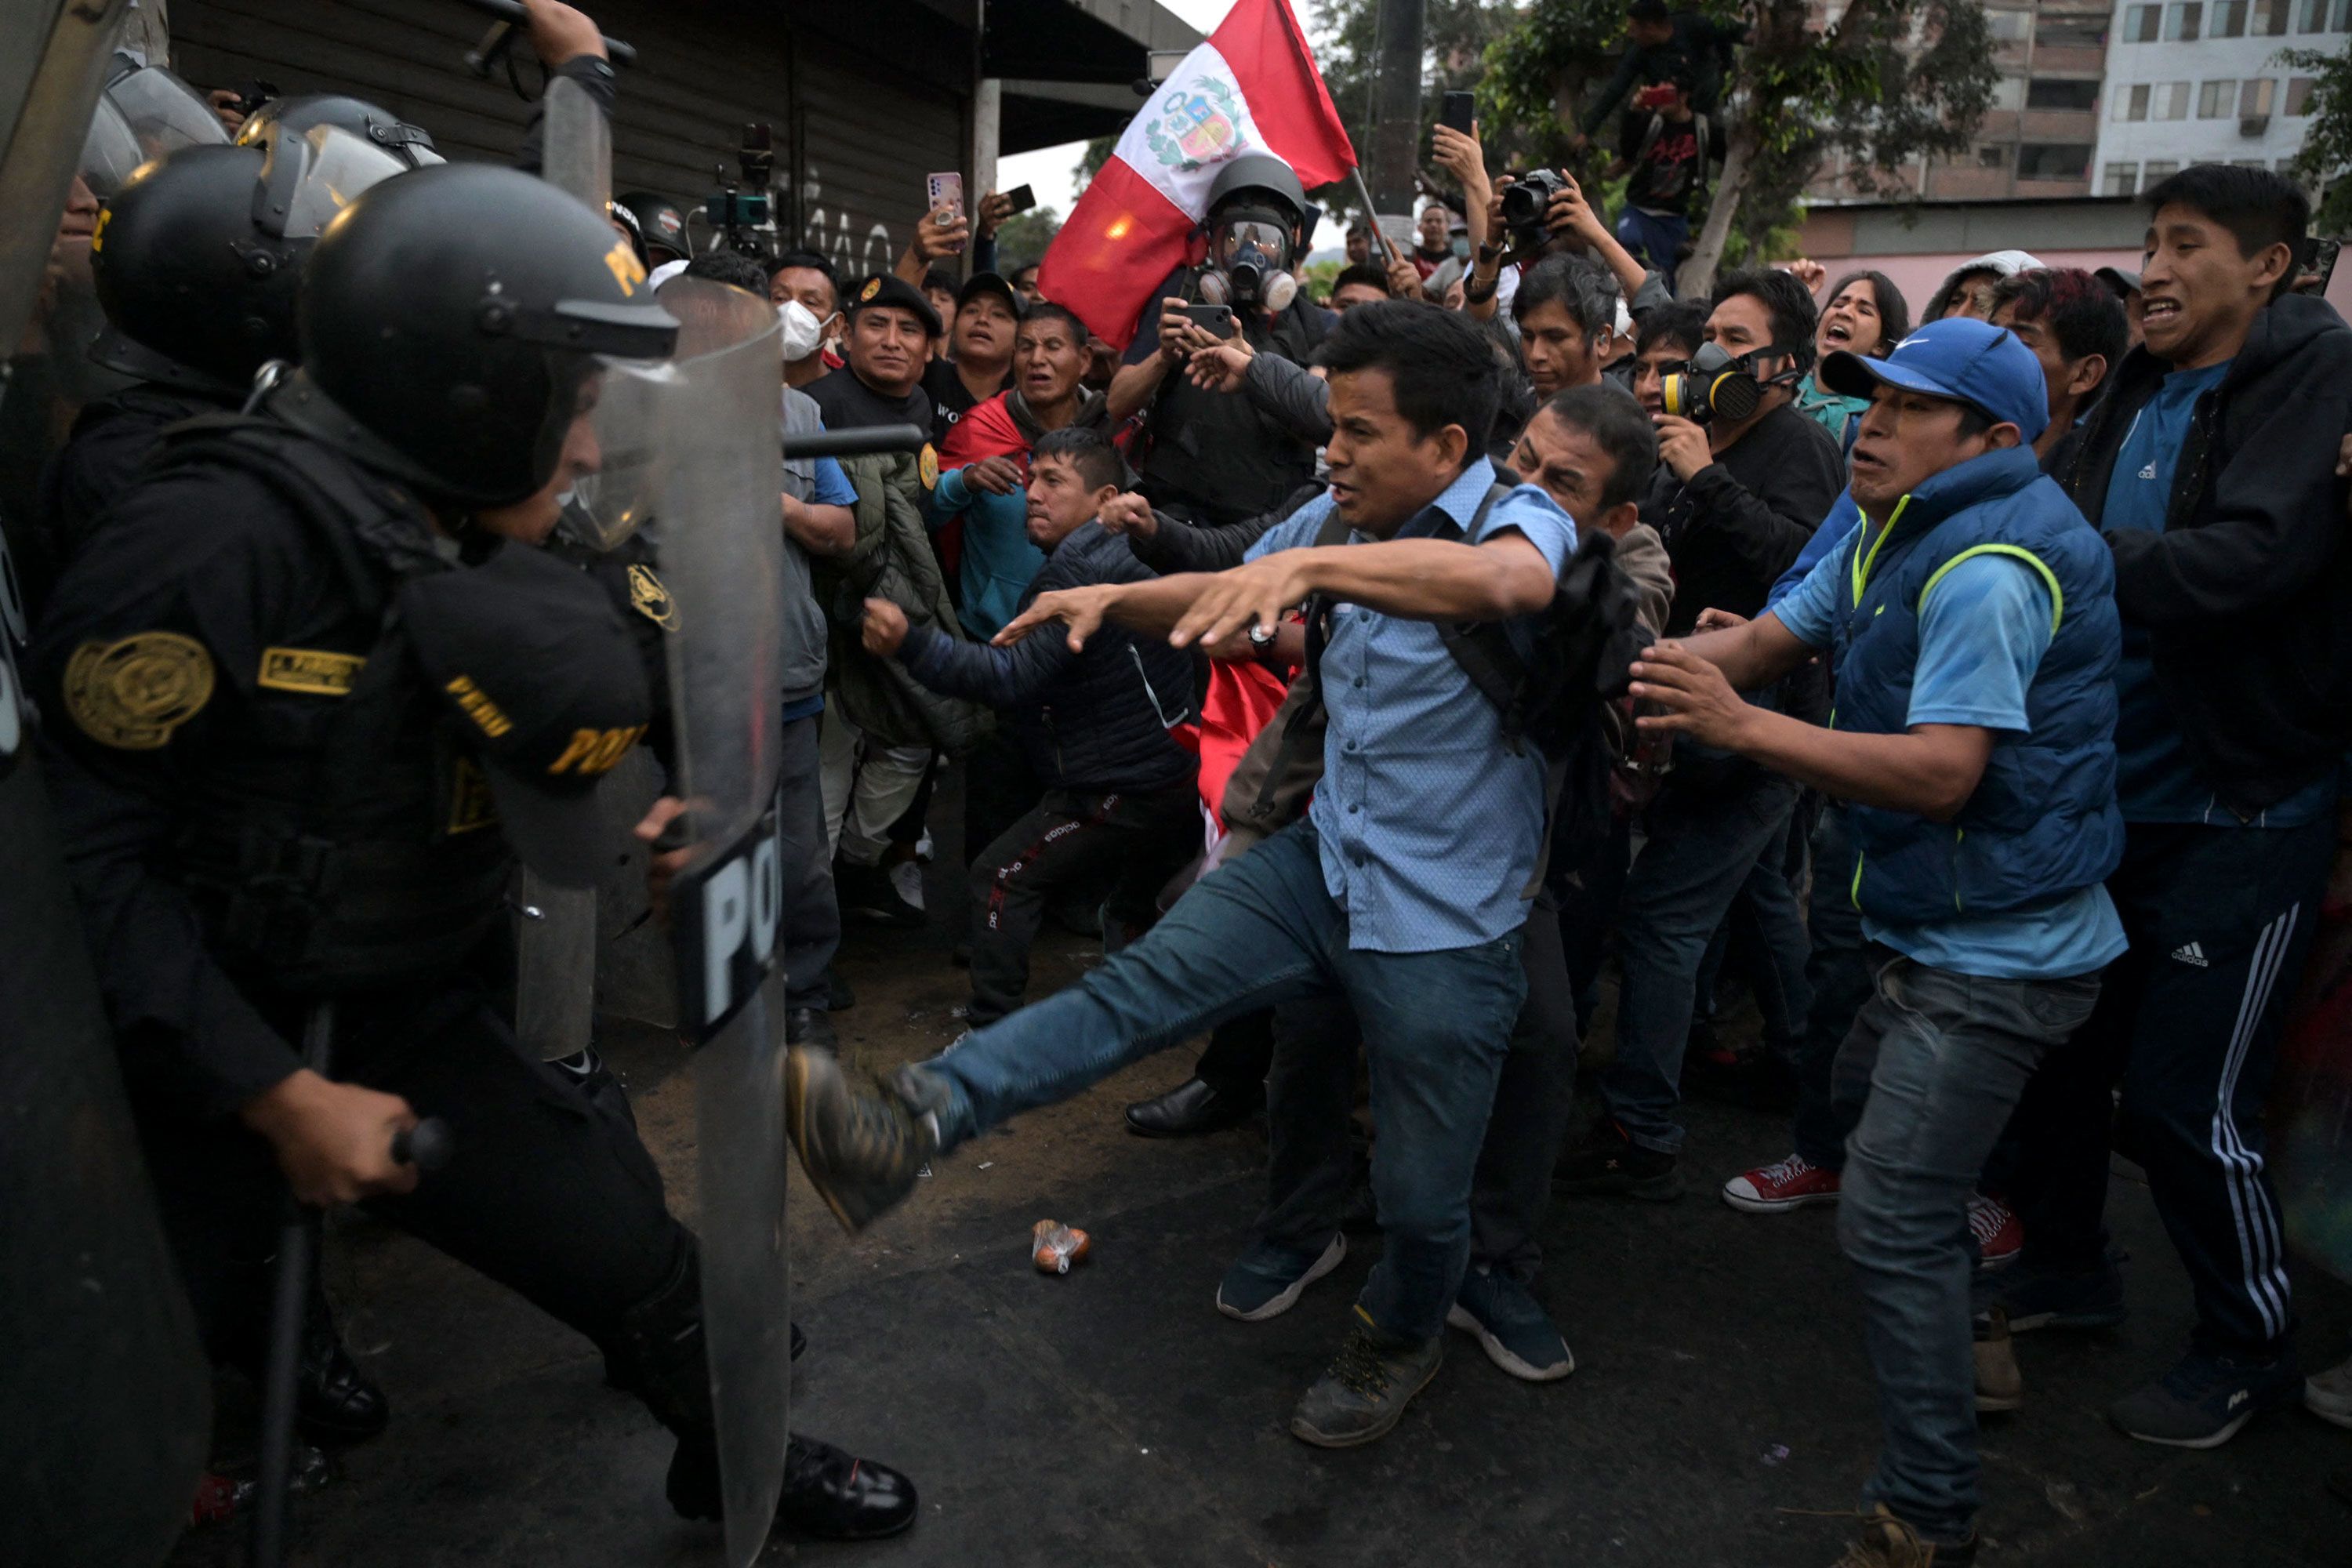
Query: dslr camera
x,y
1526,202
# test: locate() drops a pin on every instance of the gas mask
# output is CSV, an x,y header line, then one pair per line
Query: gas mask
x,y
1713,382
804,333
1249,251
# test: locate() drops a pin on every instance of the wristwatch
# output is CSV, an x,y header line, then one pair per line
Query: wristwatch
x,y
1262,637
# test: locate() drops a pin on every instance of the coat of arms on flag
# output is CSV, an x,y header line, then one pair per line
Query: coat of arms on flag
x,y
1196,126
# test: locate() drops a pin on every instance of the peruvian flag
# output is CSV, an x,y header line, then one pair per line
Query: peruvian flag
x,y
1250,87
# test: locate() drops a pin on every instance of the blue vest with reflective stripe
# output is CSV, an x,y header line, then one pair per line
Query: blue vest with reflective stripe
x,y
2043,822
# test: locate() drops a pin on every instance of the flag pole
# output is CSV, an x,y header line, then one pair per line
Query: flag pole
x,y
1374,215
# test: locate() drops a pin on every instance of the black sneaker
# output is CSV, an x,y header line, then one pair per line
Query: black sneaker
x,y
2037,1298
1364,1392
1608,1163
861,1152
2203,1399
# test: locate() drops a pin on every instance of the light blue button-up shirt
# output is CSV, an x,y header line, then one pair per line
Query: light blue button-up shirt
x,y
1430,824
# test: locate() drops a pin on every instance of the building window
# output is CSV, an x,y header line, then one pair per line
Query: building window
x,y
2062,95
1991,155
2158,170
2123,180
2254,97
2071,32
2053,161
2270,18
2131,103
2172,100
2298,97
2217,100
2143,23
2315,16
2009,26
2229,19
2342,21
2009,92
2181,20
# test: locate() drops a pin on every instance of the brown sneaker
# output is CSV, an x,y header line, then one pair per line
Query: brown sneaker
x,y
861,1152
1887,1542
2000,1386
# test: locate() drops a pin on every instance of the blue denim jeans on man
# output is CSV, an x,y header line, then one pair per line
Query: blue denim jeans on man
x,y
1953,1054
1262,930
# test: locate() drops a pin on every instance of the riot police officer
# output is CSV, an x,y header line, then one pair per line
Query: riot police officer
x,y
196,263
307,694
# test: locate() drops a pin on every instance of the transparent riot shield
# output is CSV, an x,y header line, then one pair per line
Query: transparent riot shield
x,y
555,977
698,470
105,1399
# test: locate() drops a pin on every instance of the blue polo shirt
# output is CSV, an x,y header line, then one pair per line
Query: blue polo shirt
x,y
1430,824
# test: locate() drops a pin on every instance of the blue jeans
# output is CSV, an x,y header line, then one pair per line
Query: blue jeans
x,y
1259,931
1704,847
1953,1053
1831,1089
1653,240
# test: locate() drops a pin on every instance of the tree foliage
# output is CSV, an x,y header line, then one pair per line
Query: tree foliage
x,y
1455,37
1889,81
1023,237
2326,149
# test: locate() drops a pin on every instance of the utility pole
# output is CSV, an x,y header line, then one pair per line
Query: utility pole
x,y
1396,114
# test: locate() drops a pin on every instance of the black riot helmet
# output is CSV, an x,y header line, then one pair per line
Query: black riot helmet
x,y
661,224
198,259
1258,222
452,319
298,115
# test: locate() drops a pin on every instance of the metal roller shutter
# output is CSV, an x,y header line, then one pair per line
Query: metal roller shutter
x,y
854,142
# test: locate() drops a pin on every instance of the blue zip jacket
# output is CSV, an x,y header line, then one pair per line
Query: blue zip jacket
x,y
2043,822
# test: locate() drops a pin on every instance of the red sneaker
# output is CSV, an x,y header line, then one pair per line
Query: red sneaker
x,y
1790,1183
1999,1237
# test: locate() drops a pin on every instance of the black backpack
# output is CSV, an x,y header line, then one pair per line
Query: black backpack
x,y
1550,691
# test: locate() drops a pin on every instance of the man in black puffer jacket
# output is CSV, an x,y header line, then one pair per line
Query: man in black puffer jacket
x,y
1094,722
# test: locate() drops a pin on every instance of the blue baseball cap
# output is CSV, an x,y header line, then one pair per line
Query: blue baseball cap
x,y
1969,361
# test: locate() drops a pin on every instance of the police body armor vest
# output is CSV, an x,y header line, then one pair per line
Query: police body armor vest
x,y
352,845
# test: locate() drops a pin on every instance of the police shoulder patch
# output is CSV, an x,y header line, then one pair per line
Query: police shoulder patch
x,y
928,466
313,671
134,692
651,599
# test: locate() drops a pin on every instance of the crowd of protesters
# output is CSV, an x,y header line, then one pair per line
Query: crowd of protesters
x,y
1979,706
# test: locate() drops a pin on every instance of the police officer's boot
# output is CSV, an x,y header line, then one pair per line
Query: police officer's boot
x,y
334,1401
827,1495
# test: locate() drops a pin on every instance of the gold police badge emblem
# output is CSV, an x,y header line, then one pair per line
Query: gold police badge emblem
x,y
873,286
130,694
651,599
928,467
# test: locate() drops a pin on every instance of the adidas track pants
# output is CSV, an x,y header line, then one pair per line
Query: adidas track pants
x,y
2220,919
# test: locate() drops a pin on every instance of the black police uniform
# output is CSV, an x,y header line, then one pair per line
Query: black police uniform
x,y
264,802
104,454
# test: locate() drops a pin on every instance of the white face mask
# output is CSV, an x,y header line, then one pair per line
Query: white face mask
x,y
804,333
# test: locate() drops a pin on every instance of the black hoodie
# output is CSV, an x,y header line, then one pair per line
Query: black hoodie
x,y
2247,593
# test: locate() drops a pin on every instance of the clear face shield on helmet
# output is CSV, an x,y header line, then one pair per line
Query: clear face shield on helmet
x,y
312,178
109,152
165,113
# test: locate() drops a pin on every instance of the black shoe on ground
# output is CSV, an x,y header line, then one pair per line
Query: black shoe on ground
x,y
809,1027
860,1150
867,894
1191,1108
1608,1163
833,1496
1362,1395
2203,1399
334,1401
838,997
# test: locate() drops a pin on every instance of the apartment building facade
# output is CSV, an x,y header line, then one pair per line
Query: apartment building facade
x,y
2198,82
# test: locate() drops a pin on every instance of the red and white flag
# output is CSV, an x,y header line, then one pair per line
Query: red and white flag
x,y
1252,86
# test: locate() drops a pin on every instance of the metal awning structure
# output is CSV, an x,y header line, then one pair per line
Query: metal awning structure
x,y
1069,67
